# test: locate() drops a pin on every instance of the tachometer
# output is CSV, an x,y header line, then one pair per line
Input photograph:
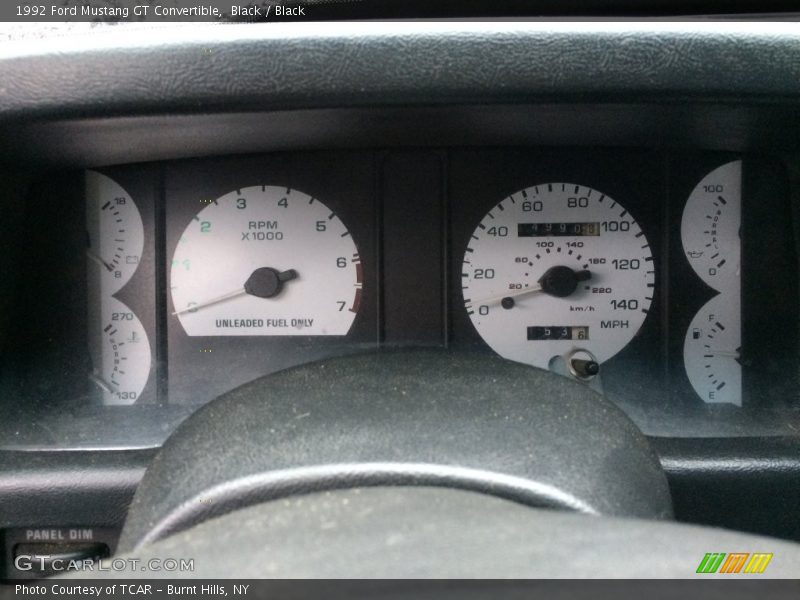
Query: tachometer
x,y
266,260
555,270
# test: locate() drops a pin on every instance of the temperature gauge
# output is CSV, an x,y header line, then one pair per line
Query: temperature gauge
x,y
120,354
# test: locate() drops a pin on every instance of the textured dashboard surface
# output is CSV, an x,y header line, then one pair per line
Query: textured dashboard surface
x,y
427,532
229,67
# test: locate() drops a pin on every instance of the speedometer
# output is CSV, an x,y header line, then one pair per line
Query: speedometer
x,y
555,270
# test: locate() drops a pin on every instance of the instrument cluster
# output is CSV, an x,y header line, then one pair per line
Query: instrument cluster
x,y
660,279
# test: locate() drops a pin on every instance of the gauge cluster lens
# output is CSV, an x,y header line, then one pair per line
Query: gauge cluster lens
x,y
557,269
712,245
266,261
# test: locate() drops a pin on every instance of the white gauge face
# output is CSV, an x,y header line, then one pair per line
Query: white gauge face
x,y
116,235
120,353
266,260
555,269
711,353
710,227
711,242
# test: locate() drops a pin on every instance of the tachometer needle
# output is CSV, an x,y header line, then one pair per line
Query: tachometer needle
x,y
217,300
264,282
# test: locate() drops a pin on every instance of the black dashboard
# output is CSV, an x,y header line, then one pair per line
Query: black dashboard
x,y
613,202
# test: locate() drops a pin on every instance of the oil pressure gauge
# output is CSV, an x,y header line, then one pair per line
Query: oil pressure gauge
x,y
710,228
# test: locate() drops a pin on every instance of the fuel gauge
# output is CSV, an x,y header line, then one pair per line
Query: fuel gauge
x,y
711,351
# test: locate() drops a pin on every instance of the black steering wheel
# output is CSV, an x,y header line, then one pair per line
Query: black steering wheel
x,y
417,463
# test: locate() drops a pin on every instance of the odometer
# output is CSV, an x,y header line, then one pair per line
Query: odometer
x,y
551,263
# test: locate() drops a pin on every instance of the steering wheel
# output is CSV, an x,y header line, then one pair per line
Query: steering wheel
x,y
417,463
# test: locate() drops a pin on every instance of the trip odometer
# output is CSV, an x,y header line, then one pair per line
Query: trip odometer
x,y
555,270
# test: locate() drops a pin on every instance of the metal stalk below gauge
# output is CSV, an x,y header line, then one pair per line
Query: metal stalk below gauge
x,y
558,270
266,260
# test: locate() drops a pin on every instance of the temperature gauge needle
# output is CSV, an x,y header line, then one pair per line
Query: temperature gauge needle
x,y
101,383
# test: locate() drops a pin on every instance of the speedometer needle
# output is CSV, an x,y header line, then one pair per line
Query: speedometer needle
x,y
264,282
515,294
558,281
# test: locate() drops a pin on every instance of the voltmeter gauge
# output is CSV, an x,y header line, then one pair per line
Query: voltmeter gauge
x,y
711,352
115,232
120,353
266,261
712,245
558,269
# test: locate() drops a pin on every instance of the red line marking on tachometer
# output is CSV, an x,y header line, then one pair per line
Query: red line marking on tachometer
x,y
356,302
